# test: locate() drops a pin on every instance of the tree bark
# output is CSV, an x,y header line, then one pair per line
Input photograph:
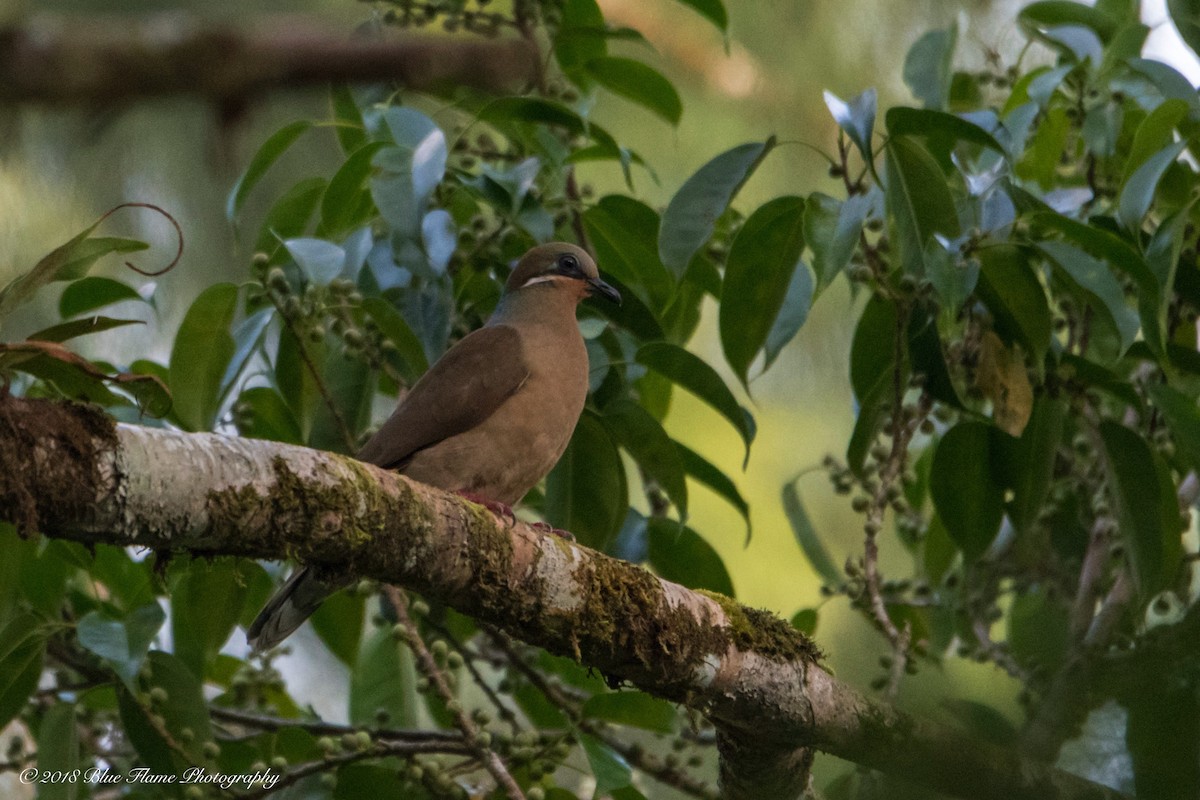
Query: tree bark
x,y
57,62
69,472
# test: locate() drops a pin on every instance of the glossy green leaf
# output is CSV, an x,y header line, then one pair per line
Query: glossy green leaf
x,y
696,466
1183,419
289,216
611,771
691,215
1137,195
928,357
712,10
397,331
832,229
805,621
692,373
1114,322
268,153
928,67
339,624
580,37
184,708
938,126
68,261
92,292
797,302
247,338
1038,629
1185,14
1155,132
319,260
856,118
121,642
679,554
264,415
953,277
408,173
1134,493
340,200
80,327
644,438
1056,13
638,82
58,752
22,648
632,708
1009,287
206,604
586,493
202,350
1033,461
966,491
624,233
806,536
919,200
1118,252
347,118
873,349
384,679
759,269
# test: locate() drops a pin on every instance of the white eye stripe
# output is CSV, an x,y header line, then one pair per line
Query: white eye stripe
x,y
540,279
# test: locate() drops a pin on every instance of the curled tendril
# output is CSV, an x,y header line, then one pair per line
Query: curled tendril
x,y
178,234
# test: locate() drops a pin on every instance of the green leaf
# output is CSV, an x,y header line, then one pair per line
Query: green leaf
x,y
609,768
691,215
690,372
384,678
268,153
1114,322
80,327
832,229
581,37
968,495
644,438
90,293
1156,132
349,122
202,350
319,260
184,708
712,10
586,492
340,201
1183,418
68,261
397,331
857,119
1057,13
1138,193
247,337
339,624
919,200
1185,14
792,315
681,555
632,708
1134,492
1119,253
1033,461
805,621
1038,629
873,349
638,82
267,416
928,67
1009,287
696,466
939,126
806,536
58,752
1160,735
759,269
624,233
121,642
206,604
22,648
410,171
289,216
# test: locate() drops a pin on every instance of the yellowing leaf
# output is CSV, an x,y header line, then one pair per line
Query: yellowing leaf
x,y
1002,378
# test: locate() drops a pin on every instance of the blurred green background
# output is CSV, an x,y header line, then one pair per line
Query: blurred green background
x,y
62,168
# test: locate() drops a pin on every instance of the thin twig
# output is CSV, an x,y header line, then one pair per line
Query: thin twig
x,y
491,761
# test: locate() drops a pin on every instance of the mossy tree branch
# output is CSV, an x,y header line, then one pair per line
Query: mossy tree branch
x,y
71,473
